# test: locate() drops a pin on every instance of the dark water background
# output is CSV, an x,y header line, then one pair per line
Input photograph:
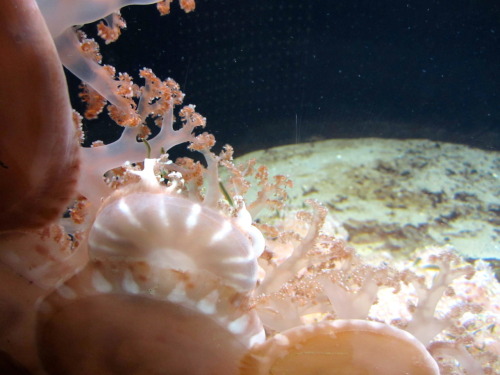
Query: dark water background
x,y
272,72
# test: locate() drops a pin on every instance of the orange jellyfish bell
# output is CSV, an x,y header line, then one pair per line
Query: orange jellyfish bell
x,y
138,319
39,153
166,291
353,347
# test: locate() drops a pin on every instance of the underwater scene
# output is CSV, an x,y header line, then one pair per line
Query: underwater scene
x,y
250,187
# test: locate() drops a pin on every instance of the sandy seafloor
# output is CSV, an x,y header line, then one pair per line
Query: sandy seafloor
x,y
398,195
397,200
